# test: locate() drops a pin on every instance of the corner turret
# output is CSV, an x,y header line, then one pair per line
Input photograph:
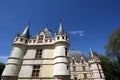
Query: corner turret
x,y
61,55
24,37
95,67
14,62
61,36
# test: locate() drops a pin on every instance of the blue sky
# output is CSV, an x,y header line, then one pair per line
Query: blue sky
x,y
88,22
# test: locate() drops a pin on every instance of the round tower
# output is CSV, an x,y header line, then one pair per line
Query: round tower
x,y
95,67
61,55
13,64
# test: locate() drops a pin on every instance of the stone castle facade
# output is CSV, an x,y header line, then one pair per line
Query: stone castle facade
x,y
46,57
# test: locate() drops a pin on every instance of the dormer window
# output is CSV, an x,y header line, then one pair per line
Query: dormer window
x,y
40,40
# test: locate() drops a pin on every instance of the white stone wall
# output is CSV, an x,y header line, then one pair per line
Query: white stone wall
x,y
10,70
30,54
26,71
14,62
60,61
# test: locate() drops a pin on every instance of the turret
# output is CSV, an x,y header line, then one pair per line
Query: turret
x,y
95,67
61,55
23,38
14,62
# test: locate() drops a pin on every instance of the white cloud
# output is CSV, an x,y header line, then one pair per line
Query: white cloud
x,y
3,58
78,32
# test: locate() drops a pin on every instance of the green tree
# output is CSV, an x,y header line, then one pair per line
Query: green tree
x,y
113,46
110,68
1,67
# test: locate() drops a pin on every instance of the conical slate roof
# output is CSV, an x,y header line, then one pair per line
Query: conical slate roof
x,y
91,53
61,30
25,33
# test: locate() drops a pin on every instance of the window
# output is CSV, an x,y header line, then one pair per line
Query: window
x,y
40,40
82,61
98,66
34,41
85,76
62,37
74,68
66,37
75,78
30,41
83,67
36,70
66,51
38,53
67,67
57,38
26,41
46,40
50,40
73,61
21,40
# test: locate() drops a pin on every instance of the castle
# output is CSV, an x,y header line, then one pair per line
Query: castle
x,y
46,57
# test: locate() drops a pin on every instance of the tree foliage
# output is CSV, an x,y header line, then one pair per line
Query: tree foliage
x,y
1,67
113,46
110,68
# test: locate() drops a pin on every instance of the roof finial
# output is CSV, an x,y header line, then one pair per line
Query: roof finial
x,y
26,31
61,30
91,53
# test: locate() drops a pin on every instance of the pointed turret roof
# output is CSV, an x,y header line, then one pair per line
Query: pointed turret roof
x,y
46,28
26,31
61,30
91,53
